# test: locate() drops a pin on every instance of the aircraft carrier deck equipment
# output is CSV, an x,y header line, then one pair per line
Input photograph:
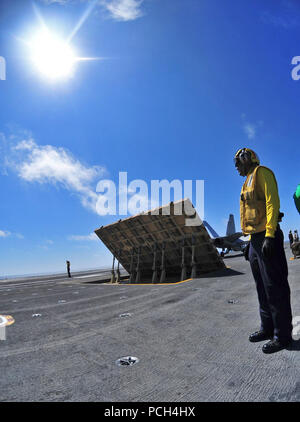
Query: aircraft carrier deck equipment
x,y
296,249
165,244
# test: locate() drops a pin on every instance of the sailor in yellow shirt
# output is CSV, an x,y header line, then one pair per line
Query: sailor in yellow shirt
x,y
259,212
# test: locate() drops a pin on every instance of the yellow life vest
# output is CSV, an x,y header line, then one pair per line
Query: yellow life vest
x,y
253,204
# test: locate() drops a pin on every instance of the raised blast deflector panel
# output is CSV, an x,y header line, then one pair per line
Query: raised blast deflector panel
x,y
177,244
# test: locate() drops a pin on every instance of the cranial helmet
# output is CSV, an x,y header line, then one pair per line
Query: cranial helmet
x,y
245,155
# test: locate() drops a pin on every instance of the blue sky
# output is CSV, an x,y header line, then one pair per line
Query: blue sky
x,y
180,86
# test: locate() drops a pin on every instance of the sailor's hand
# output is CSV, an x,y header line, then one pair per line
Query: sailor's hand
x,y
268,247
246,252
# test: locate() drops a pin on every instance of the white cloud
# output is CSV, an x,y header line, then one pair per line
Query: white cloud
x,y
250,130
46,244
55,1
4,233
285,17
56,166
90,237
19,235
27,144
124,10
120,10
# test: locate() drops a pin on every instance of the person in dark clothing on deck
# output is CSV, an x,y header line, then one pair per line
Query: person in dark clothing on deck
x,y
259,208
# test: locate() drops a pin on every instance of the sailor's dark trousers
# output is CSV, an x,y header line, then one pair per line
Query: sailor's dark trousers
x,y
271,278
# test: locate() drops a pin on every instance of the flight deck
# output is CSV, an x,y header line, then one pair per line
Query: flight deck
x,y
83,339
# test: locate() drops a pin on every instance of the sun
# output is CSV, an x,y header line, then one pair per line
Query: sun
x,y
53,57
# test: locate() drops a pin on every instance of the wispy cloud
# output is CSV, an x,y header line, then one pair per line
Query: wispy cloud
x,y
18,235
55,1
120,10
287,22
46,244
4,233
124,10
48,164
53,165
89,237
284,15
250,128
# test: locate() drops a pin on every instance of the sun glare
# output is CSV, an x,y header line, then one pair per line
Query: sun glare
x,y
53,57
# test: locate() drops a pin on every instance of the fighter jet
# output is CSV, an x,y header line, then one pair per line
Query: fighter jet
x,y
229,242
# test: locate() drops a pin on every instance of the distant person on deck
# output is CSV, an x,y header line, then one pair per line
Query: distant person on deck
x,y
291,238
259,207
68,268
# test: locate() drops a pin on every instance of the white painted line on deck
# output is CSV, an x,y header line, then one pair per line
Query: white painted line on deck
x,y
92,275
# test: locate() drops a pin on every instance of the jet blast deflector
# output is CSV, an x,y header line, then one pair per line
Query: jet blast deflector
x,y
169,243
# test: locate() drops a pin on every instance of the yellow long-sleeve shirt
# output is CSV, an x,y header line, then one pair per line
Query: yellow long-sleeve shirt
x,y
268,184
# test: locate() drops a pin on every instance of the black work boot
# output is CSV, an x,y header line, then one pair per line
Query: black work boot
x,y
275,345
259,336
